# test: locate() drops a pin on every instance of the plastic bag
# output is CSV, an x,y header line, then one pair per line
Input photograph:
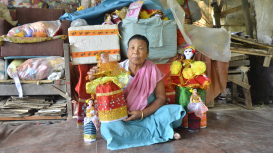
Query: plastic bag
x,y
2,69
39,68
37,29
78,23
85,3
56,75
212,42
12,68
198,108
134,9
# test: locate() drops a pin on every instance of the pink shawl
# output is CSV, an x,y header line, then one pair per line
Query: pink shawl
x,y
142,85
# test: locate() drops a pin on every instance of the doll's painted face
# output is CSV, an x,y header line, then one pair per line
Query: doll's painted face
x,y
194,91
104,58
91,103
188,53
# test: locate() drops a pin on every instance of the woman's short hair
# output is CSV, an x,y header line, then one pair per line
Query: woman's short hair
x,y
139,37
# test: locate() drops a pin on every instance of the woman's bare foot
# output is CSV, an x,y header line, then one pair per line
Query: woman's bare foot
x,y
176,136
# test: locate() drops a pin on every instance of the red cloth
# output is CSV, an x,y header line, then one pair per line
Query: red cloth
x,y
81,90
170,93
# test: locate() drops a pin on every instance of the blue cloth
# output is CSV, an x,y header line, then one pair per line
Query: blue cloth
x,y
156,128
95,15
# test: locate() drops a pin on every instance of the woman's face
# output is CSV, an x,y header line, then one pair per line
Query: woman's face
x,y
188,53
137,51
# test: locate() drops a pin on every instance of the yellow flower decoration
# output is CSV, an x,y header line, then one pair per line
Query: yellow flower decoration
x,y
187,73
191,90
175,67
198,67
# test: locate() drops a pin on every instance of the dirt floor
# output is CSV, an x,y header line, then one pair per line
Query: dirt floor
x,y
230,129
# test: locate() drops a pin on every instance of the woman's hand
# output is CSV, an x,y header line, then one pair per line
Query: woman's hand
x,y
91,72
136,114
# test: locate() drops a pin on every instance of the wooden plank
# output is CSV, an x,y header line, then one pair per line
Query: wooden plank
x,y
238,80
60,92
248,100
250,51
251,42
239,63
31,118
67,78
234,93
238,56
234,71
29,89
247,18
268,59
232,10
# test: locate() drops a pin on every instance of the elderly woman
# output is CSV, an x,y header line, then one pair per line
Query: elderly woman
x,y
150,120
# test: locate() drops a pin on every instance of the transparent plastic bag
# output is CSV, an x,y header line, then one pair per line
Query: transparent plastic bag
x,y
212,42
198,108
39,68
37,29
85,4
78,23
12,68
2,69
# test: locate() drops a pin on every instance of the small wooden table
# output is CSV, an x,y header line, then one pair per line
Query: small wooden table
x,y
237,77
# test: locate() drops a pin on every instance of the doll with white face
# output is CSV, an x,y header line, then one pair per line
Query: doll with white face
x,y
192,72
188,53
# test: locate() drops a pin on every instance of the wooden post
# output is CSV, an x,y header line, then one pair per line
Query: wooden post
x,y
247,94
217,14
234,93
268,58
248,24
67,78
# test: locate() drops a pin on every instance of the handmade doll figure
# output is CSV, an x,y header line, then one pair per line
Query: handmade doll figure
x,y
91,122
108,20
110,79
187,72
196,104
194,97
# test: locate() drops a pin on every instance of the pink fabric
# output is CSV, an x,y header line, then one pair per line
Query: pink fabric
x,y
142,85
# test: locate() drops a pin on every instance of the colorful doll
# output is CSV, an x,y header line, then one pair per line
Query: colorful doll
x,y
108,20
110,79
187,74
196,104
91,122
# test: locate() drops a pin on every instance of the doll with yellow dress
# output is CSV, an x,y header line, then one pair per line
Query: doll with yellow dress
x,y
189,73
186,75
107,88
